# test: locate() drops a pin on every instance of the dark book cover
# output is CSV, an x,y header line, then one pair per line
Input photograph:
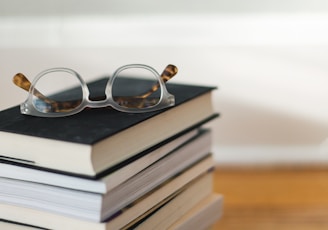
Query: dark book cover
x,y
92,125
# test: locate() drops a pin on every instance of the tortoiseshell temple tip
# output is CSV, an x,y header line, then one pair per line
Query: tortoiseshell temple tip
x,y
21,81
169,72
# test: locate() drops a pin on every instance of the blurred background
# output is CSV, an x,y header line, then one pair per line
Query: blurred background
x,y
268,59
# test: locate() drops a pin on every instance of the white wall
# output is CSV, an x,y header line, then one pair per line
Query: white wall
x,y
267,57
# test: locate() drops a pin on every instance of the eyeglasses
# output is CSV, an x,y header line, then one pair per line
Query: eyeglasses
x,y
59,92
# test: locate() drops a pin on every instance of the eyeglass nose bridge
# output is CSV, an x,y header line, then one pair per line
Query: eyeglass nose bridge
x,y
98,103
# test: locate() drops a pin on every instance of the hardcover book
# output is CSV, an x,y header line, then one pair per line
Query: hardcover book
x,y
108,180
94,140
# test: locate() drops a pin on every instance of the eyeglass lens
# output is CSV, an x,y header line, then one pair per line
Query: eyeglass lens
x,y
57,92
132,88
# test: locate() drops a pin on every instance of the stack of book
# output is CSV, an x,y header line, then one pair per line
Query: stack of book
x,y
104,169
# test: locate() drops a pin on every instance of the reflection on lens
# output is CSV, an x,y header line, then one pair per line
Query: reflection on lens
x,y
136,88
57,92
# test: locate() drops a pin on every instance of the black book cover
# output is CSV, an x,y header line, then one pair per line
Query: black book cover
x,y
93,125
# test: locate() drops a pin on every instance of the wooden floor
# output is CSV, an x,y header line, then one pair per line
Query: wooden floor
x,y
281,198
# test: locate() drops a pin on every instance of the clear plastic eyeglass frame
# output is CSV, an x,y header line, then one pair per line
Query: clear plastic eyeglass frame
x,y
165,99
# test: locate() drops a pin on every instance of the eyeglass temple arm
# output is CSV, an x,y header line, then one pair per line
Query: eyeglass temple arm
x,y
169,72
21,81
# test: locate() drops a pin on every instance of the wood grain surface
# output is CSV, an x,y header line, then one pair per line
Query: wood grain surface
x,y
273,198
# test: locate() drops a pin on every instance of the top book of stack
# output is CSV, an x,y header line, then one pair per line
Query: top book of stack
x,y
88,143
